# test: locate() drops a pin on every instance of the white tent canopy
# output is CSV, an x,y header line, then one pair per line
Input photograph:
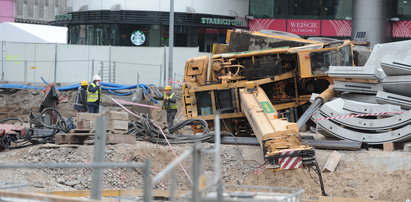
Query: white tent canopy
x,y
21,32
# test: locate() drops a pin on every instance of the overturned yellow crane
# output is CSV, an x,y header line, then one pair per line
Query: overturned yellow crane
x,y
260,83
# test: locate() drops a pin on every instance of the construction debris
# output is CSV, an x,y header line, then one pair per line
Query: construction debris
x,y
332,162
407,147
385,123
353,117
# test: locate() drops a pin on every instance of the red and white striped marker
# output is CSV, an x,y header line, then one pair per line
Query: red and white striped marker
x,y
290,162
357,115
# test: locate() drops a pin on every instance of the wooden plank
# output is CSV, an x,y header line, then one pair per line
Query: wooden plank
x,y
52,146
39,197
341,199
70,139
115,115
117,125
388,146
118,139
332,162
107,193
87,116
84,124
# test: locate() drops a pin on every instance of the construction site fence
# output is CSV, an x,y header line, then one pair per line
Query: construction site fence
x,y
67,63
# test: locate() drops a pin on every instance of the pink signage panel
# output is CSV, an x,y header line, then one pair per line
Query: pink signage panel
x,y
304,27
401,29
268,24
336,28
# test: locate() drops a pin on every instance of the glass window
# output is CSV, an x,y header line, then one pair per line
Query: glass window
x,y
41,9
127,30
404,9
268,8
303,9
90,40
82,35
262,8
280,8
337,9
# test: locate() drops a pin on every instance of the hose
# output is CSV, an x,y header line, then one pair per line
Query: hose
x,y
145,130
12,119
61,123
110,88
32,137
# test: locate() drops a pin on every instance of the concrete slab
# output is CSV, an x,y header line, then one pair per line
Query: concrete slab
x,y
390,98
359,97
356,72
400,85
396,69
365,108
355,87
389,52
368,124
398,135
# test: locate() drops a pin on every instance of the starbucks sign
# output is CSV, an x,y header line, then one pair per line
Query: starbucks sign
x,y
222,21
138,38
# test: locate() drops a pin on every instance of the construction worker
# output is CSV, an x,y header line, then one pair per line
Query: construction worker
x,y
80,103
94,95
169,104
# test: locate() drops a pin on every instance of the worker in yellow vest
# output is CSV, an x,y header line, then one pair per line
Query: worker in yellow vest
x,y
94,95
169,104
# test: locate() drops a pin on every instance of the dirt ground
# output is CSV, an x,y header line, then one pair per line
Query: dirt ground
x,y
362,174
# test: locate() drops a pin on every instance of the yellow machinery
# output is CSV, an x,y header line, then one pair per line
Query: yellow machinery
x,y
259,84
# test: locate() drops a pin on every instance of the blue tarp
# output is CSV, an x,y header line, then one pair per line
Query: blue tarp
x,y
109,87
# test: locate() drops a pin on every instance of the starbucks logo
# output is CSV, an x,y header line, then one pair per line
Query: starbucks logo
x,y
138,38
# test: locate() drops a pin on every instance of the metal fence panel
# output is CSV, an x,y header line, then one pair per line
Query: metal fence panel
x,y
66,63
181,54
75,62
130,61
15,55
43,63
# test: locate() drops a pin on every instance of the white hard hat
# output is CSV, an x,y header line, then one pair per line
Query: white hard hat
x,y
96,78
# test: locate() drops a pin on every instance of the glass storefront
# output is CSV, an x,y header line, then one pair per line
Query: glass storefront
x,y
403,9
301,9
154,35
337,9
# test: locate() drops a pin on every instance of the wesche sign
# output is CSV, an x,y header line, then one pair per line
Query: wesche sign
x,y
401,29
304,27
222,21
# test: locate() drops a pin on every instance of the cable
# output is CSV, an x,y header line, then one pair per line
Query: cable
x,y
144,129
12,119
60,124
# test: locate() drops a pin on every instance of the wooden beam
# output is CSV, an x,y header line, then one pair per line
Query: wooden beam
x,y
39,197
107,193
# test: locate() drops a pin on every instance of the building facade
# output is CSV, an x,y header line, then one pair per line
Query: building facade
x,y
31,11
145,23
381,20
6,11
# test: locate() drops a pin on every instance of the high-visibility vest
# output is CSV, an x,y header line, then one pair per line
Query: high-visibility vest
x,y
93,97
170,105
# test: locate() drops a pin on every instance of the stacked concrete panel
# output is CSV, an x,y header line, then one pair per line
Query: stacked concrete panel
x,y
384,79
333,122
357,87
